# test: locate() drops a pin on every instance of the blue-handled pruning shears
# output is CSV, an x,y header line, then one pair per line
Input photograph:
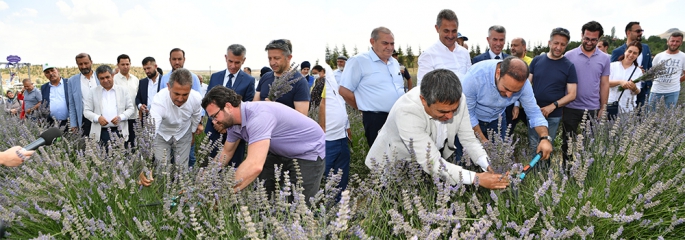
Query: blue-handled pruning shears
x,y
530,166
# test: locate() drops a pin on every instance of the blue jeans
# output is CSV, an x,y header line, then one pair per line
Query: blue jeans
x,y
191,158
669,98
484,127
338,157
552,127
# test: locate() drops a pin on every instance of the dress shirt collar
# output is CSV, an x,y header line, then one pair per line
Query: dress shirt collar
x,y
58,84
234,75
492,54
442,46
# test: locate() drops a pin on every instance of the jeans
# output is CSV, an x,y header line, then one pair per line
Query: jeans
x,y
311,172
484,127
552,126
338,157
191,158
670,99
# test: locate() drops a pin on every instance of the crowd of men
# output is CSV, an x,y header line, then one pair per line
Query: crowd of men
x,y
460,103
106,104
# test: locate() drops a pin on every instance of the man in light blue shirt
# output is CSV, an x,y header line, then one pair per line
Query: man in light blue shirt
x,y
372,82
177,58
492,85
55,95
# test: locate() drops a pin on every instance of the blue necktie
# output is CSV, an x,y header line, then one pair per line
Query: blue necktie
x,y
230,81
497,57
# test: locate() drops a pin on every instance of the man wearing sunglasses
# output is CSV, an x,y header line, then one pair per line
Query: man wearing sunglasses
x,y
275,134
592,70
634,33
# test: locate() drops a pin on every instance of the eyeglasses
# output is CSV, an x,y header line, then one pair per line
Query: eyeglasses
x,y
213,116
639,31
594,40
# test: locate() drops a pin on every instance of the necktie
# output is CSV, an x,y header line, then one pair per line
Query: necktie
x,y
229,84
497,57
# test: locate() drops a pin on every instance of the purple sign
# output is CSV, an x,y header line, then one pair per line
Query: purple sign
x,y
13,59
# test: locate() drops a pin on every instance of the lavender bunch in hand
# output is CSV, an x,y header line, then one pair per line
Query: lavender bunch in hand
x,y
657,71
284,83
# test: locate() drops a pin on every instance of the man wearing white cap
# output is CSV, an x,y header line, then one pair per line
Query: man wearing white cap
x,y
55,96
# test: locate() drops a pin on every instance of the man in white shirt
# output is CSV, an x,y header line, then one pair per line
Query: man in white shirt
x,y
107,106
80,86
148,87
176,111
130,83
445,54
341,66
668,87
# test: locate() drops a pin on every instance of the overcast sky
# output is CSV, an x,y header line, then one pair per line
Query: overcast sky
x,y
48,31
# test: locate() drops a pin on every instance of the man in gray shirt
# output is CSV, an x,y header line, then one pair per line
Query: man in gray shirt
x,y
32,98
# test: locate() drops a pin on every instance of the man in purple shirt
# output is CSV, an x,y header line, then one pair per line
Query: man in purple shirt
x,y
276,135
592,70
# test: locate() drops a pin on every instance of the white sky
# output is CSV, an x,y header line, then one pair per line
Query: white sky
x,y
49,31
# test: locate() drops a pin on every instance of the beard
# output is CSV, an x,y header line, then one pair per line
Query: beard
x,y
85,70
151,75
590,48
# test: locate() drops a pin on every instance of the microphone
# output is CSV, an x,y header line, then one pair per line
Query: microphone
x,y
46,138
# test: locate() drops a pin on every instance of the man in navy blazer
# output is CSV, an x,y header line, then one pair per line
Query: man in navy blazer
x,y
634,33
241,83
85,79
59,108
147,87
496,37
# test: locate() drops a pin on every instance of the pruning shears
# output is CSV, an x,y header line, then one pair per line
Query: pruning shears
x,y
530,166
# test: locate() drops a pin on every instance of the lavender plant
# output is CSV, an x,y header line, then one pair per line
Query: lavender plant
x,y
284,83
625,180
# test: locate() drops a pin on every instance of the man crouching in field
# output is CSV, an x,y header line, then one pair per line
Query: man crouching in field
x,y
276,135
433,114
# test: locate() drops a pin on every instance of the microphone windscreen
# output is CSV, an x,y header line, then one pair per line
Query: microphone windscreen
x,y
50,135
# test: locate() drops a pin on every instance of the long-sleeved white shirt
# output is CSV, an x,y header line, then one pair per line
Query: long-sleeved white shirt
x,y
174,121
438,56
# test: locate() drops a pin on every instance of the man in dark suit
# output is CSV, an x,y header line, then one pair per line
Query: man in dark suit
x,y
55,97
496,37
147,87
242,83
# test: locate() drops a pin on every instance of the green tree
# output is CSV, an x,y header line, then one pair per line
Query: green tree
x,y
329,59
355,50
344,52
335,56
400,56
478,50
613,32
410,57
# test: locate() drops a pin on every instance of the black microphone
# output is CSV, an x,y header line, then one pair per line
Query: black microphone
x,y
46,138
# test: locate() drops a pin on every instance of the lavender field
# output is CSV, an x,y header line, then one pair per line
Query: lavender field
x,y
626,182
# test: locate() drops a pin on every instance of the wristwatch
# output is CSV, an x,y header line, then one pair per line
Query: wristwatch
x,y
546,137
556,104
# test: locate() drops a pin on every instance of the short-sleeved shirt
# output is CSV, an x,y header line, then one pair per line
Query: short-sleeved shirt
x,y
292,134
58,101
589,70
300,91
550,78
32,98
376,85
485,102
675,66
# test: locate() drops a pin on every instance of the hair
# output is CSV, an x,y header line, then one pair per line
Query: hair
x,y
282,44
496,28
630,25
561,32
319,68
8,92
26,80
675,34
123,56
442,86
604,42
159,70
148,60
103,69
517,71
236,50
221,95
181,76
176,50
82,55
593,26
636,44
376,31
523,41
249,69
448,15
